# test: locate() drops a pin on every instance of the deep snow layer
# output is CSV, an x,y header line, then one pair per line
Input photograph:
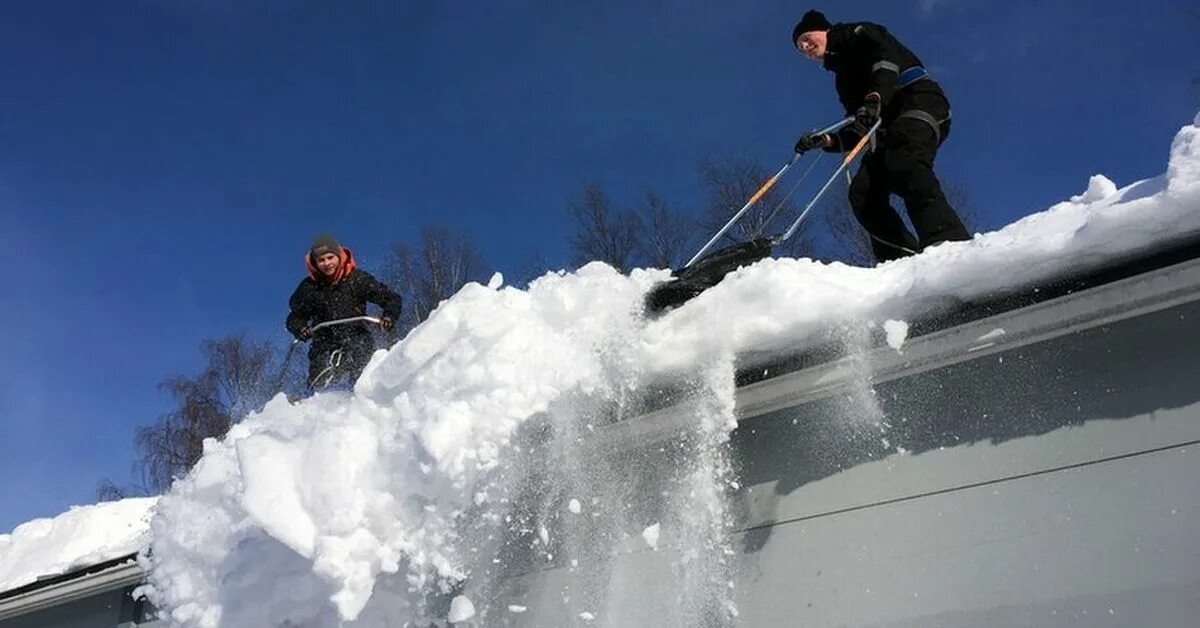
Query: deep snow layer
x,y
81,537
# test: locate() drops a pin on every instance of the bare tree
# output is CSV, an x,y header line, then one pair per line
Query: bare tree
x,y
730,182
852,243
535,265
667,236
107,490
239,376
430,273
602,233
171,446
245,372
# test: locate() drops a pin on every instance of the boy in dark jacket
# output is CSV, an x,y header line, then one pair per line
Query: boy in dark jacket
x,y
878,79
336,288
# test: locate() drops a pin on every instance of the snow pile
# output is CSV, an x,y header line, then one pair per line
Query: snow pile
x,y
351,509
81,537
302,508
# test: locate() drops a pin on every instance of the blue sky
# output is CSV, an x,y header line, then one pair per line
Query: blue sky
x,y
164,163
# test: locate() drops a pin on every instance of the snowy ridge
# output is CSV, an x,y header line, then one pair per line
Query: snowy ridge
x,y
778,304
81,537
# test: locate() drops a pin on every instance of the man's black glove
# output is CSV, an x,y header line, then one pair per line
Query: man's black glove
x,y
810,141
866,116
305,333
868,113
386,323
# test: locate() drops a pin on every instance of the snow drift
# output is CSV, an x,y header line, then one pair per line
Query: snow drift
x,y
356,508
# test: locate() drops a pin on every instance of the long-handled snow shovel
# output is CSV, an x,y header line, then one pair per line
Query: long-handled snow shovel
x,y
703,272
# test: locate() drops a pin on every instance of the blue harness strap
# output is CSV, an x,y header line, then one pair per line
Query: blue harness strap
x,y
912,75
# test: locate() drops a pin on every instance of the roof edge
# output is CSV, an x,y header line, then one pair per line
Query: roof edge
x,y
111,574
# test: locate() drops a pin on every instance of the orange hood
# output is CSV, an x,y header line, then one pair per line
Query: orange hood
x,y
344,269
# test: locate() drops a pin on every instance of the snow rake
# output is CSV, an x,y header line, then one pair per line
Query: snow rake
x,y
703,272
287,360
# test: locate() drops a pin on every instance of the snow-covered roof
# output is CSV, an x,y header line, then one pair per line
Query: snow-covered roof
x,y
333,494
82,537
330,494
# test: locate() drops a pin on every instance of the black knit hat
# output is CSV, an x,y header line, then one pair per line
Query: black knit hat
x,y
813,20
323,244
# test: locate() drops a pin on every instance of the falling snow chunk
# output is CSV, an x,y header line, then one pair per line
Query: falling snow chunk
x,y
586,616
897,333
991,335
514,608
461,609
650,534
544,535
496,281
574,506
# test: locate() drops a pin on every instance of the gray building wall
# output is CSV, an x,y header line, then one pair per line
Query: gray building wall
x,y
1050,484
111,609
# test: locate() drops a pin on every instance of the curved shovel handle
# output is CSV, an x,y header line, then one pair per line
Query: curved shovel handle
x,y
341,321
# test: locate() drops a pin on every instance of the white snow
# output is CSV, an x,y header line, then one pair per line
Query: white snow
x,y
516,608
304,511
80,537
650,534
1099,188
897,333
574,506
991,335
461,609
586,616
496,281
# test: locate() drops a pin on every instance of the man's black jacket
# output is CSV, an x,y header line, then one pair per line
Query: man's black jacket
x,y
865,58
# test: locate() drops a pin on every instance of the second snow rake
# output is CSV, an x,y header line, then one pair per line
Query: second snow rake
x,y
703,272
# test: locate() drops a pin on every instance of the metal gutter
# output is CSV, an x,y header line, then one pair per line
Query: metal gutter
x,y
67,588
